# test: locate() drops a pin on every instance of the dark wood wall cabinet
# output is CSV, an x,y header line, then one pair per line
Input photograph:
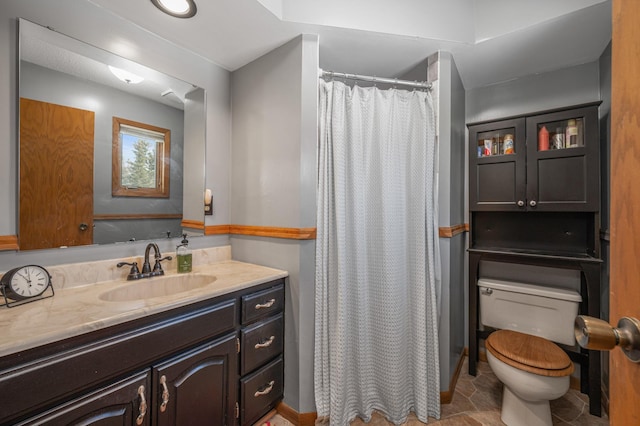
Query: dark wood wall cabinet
x,y
534,199
543,162
215,362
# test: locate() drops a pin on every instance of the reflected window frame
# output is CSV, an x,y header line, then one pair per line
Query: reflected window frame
x,y
162,155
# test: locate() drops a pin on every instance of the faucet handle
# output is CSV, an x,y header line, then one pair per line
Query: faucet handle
x,y
134,273
157,268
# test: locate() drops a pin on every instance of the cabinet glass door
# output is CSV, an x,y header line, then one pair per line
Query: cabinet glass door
x,y
497,173
496,142
561,134
563,160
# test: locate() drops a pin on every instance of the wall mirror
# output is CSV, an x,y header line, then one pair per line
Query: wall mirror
x,y
69,94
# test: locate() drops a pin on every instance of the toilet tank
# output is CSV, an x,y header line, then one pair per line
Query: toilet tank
x,y
547,312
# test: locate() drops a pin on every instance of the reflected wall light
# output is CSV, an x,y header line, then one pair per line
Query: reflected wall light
x,y
126,76
208,202
177,8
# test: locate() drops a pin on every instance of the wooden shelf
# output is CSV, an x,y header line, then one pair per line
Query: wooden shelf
x,y
536,254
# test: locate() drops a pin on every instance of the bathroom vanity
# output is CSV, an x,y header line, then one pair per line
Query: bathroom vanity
x,y
208,355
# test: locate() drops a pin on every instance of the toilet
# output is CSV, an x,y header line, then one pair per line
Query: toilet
x,y
521,352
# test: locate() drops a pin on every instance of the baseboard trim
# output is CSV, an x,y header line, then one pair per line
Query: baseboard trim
x,y
447,396
298,419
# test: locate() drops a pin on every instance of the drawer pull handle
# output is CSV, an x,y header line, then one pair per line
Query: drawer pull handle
x,y
266,390
266,305
142,409
266,343
165,394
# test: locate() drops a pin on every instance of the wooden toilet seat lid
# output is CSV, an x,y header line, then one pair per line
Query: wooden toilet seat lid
x,y
529,353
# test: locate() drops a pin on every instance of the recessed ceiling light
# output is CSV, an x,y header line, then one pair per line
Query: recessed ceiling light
x,y
177,8
126,76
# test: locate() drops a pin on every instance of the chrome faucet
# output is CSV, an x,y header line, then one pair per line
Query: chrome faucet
x,y
134,274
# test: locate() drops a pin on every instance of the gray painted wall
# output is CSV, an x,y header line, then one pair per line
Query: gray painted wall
x,y
556,89
451,211
100,29
195,133
274,184
449,96
457,213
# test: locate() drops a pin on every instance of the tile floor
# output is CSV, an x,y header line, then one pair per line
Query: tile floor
x,y
476,402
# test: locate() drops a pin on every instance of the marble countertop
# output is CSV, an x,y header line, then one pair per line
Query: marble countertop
x,y
80,309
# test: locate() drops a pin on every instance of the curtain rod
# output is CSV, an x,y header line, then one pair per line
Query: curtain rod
x,y
395,81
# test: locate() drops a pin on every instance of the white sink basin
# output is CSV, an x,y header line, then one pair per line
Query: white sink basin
x,y
147,288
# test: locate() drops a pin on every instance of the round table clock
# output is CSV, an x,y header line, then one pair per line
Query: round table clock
x,y
25,282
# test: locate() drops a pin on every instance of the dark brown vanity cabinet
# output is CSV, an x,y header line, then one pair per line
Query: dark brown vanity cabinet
x,y
191,388
179,367
542,162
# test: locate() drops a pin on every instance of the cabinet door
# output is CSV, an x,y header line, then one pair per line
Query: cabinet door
x,y
120,404
497,171
563,174
198,387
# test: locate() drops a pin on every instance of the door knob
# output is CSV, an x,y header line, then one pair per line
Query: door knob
x,y
83,227
520,203
596,334
532,203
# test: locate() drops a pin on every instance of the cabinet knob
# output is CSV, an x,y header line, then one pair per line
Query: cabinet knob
x,y
532,203
520,203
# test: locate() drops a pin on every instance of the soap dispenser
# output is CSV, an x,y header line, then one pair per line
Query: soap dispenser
x,y
183,253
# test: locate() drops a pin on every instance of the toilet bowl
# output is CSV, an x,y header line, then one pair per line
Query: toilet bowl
x,y
529,318
533,371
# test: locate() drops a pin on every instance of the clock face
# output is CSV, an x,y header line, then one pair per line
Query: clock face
x,y
27,281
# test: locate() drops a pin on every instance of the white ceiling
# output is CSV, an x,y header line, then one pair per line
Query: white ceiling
x,y
491,40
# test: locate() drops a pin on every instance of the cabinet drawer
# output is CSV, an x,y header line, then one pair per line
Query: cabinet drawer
x,y
262,304
261,390
261,342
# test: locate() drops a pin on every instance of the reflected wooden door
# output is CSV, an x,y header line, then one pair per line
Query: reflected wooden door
x,y
56,175
624,408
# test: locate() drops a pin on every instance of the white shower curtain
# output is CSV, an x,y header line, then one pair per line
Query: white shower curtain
x,y
377,273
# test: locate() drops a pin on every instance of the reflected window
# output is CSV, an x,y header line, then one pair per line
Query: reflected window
x,y
141,157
